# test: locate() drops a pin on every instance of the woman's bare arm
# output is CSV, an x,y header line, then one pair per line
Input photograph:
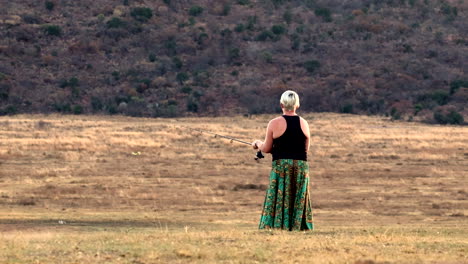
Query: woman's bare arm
x,y
306,130
266,145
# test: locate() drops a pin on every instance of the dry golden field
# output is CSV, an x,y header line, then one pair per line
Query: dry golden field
x,y
90,189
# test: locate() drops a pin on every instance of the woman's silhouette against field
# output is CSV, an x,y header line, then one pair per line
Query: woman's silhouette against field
x,y
287,202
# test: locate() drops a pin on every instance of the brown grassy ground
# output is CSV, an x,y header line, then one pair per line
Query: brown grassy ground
x,y
77,189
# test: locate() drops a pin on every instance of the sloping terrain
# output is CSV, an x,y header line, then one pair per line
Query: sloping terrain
x,y
403,58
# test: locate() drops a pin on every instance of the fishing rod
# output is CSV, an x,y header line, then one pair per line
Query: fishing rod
x,y
259,154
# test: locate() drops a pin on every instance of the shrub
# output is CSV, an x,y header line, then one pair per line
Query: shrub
x,y
195,10
186,89
243,2
311,66
116,75
251,21
177,62
267,57
72,82
2,76
287,16
225,32
347,108
456,84
4,92
116,22
455,118
9,110
96,103
440,96
142,14
395,114
143,85
277,2
264,35
181,77
448,10
418,108
226,9
278,29
53,30
239,28
296,42
201,78
77,109
152,57
323,12
192,105
452,117
407,48
171,46
49,5
62,107
234,53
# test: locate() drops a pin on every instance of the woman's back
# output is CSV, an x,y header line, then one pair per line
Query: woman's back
x,y
292,143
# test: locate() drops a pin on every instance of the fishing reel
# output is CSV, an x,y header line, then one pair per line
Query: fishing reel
x,y
259,155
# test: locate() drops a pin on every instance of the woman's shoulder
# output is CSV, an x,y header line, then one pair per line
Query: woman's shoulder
x,y
277,120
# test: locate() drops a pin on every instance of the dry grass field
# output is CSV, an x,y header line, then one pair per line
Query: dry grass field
x,y
90,189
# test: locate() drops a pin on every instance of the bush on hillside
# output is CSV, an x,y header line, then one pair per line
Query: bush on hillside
x,y
116,22
53,30
264,35
195,10
311,66
49,5
278,29
456,84
142,14
239,28
453,118
77,109
182,77
323,12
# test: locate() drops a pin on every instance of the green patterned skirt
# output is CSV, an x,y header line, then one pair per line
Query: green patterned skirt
x,y
287,201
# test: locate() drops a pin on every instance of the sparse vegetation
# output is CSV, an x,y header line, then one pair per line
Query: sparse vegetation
x,y
421,63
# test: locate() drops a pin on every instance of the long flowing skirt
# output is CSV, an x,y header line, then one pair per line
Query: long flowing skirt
x,y
287,201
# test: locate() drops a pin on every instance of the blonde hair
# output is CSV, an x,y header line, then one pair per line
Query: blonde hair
x,y
290,100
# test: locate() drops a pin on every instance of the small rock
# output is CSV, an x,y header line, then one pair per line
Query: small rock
x,y
119,10
12,20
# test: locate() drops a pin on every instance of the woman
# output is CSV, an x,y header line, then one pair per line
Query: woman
x,y
287,202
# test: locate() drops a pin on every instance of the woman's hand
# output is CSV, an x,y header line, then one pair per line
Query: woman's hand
x,y
257,144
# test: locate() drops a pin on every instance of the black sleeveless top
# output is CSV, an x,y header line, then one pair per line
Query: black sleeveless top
x,y
292,143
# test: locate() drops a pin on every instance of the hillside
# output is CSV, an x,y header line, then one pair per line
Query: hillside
x,y
403,58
